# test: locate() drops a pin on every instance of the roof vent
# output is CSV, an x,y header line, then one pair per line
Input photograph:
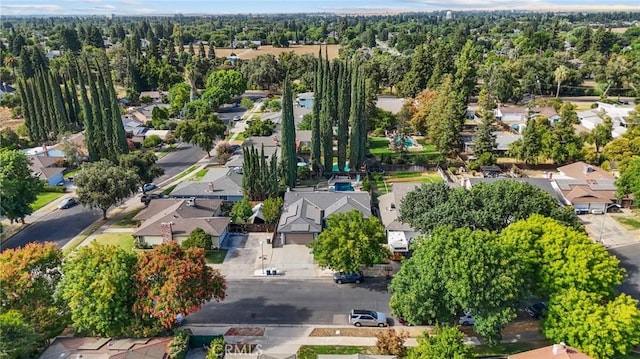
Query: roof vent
x,y
588,169
191,202
559,348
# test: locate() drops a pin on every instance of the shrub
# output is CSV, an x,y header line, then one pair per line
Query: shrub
x,y
390,342
170,139
487,159
473,165
146,100
246,103
366,185
303,173
453,170
271,208
421,160
55,189
16,112
179,346
198,239
151,141
216,348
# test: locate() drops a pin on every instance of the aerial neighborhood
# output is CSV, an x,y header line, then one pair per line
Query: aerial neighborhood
x,y
423,183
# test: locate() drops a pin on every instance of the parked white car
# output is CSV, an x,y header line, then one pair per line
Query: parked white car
x,y
467,319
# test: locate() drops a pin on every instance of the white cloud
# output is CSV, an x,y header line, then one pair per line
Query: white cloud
x,y
106,7
131,2
21,9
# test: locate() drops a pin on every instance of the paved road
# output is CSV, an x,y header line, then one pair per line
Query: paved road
x,y
630,259
280,301
60,226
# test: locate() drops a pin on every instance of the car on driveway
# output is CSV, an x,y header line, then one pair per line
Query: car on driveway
x,y
149,187
467,319
67,203
369,318
537,310
342,277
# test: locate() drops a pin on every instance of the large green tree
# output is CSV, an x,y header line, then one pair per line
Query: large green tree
x,y
350,240
102,184
18,187
629,180
453,271
560,257
271,209
316,137
144,163
18,340
260,178
98,288
599,327
444,343
289,156
491,206
202,132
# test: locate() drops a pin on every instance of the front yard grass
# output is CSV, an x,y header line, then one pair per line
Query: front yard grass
x,y
379,146
44,199
125,220
631,223
186,172
199,175
169,189
70,173
122,240
216,256
312,351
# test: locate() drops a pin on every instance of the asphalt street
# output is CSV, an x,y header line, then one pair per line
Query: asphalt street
x,y
281,301
629,256
60,226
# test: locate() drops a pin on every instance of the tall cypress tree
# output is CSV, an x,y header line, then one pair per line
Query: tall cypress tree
x,y
27,110
72,111
46,103
289,159
362,120
316,109
89,122
37,131
326,128
333,104
102,146
344,94
354,140
120,138
76,104
105,111
62,117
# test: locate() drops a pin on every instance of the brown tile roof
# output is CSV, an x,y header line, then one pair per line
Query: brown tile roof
x,y
581,170
561,351
584,194
45,167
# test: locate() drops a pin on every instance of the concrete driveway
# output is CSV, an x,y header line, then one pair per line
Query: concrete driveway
x,y
605,229
242,252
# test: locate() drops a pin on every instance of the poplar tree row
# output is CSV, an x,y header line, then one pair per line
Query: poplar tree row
x,y
53,105
259,177
338,100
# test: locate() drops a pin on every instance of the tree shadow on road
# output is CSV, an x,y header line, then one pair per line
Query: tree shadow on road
x,y
250,311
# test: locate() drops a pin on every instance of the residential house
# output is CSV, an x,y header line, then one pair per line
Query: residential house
x,y
587,187
47,169
503,141
107,348
305,100
219,183
304,213
144,113
165,220
399,234
134,129
156,96
555,351
516,117
5,89
618,114
303,139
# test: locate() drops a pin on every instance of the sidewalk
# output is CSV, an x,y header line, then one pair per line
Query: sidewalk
x,y
240,126
287,339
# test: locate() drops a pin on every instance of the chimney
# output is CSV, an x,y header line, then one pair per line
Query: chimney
x,y
559,349
191,202
210,185
167,233
45,151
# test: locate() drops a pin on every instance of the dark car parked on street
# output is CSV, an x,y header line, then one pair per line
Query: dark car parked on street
x,y
342,277
537,310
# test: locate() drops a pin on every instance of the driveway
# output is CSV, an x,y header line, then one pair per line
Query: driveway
x,y
605,229
243,250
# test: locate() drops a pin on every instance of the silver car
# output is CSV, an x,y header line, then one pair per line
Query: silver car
x,y
367,318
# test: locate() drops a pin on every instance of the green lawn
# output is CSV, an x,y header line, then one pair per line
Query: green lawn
x,y
186,172
380,146
122,240
70,173
629,222
169,189
312,351
199,175
125,220
216,256
44,199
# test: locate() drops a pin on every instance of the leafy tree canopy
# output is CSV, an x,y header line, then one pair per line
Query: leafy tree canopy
x,y
198,238
18,187
271,209
144,163
349,241
18,338
446,342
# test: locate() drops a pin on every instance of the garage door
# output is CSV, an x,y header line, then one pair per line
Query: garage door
x,y
298,238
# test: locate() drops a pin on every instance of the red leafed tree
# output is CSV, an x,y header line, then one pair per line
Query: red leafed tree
x,y
171,280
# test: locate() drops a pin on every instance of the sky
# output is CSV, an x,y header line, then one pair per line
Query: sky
x,y
165,7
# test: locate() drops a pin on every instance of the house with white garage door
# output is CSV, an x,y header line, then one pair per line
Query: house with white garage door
x,y
304,214
586,187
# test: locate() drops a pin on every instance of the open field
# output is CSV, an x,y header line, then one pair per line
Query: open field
x,y
6,121
248,54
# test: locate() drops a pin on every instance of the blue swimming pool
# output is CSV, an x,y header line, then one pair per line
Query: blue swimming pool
x,y
343,187
335,168
408,141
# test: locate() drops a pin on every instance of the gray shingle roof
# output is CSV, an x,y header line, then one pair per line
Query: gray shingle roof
x,y
225,183
388,213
